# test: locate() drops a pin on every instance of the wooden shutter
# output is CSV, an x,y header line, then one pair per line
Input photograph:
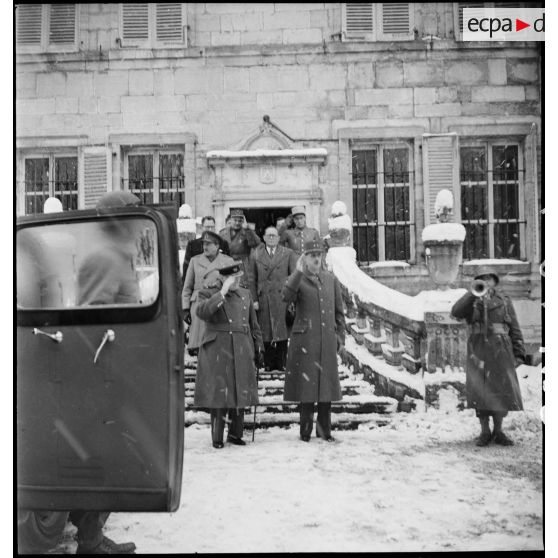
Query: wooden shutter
x,y
96,174
29,19
169,24
396,21
62,24
441,171
135,22
358,21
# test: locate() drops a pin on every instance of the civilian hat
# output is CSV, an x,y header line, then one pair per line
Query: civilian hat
x,y
485,274
237,213
233,270
298,210
210,236
313,246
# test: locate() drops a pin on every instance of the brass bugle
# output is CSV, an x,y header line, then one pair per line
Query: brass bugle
x,y
479,287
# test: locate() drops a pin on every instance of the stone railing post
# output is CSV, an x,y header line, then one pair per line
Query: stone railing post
x,y
446,342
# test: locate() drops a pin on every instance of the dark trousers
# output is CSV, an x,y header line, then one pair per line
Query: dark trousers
x,y
236,423
483,413
275,355
323,424
90,526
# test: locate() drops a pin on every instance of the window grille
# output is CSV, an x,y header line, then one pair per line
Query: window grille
x,y
382,215
40,183
491,178
155,176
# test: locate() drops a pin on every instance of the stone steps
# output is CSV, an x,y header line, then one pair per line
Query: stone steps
x,y
359,404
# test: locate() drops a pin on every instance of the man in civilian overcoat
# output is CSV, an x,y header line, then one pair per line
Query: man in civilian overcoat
x,y
316,336
494,349
230,350
270,265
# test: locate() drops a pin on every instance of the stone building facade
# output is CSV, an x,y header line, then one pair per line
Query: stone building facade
x,y
379,105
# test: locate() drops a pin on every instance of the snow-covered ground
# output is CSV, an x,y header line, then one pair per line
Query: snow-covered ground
x,y
417,484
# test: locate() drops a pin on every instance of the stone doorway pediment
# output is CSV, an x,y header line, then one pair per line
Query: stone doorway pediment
x,y
266,169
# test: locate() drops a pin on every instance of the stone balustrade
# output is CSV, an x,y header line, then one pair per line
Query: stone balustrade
x,y
423,345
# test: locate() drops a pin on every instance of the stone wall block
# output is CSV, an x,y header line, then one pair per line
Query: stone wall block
x,y
424,95
88,105
295,19
236,79
35,106
26,84
522,72
327,77
66,105
225,39
163,82
302,36
383,96
497,73
198,80
496,93
109,105
272,37
273,78
389,74
114,83
423,73
361,74
140,82
467,72
439,109
51,84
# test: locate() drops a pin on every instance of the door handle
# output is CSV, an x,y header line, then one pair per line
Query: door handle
x,y
57,337
108,336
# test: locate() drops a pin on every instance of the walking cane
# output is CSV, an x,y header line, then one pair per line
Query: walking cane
x,y
256,405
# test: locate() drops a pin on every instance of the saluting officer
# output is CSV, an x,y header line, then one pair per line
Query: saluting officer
x,y
316,336
231,345
240,238
295,238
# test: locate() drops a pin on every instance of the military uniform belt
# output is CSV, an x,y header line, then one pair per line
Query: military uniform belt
x,y
232,328
498,328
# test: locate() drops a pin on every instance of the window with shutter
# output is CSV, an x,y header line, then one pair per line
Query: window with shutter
x,y
377,22
152,25
440,171
62,24
29,23
46,26
96,174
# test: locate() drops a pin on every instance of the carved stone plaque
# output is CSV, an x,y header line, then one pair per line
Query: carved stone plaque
x,y
267,173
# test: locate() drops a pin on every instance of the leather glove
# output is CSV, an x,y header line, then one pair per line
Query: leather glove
x,y
187,316
260,359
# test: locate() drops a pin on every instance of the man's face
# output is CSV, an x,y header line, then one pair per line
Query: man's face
x,y
313,261
209,225
271,238
210,249
300,220
236,223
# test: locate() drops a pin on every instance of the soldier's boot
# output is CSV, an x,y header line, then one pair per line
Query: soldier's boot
x,y
107,546
485,435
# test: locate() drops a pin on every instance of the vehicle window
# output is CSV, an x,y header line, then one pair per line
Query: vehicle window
x,y
112,261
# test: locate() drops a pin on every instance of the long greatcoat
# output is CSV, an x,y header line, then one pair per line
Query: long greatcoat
x,y
226,373
199,271
491,380
295,238
268,275
312,373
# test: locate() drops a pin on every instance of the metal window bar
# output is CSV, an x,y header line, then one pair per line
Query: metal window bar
x,y
170,189
366,251
507,226
37,191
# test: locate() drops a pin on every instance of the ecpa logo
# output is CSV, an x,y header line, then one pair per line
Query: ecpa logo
x,y
503,24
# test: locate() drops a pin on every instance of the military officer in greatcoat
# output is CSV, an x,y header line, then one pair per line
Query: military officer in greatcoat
x,y
494,349
241,240
317,334
295,238
270,265
230,350
200,268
